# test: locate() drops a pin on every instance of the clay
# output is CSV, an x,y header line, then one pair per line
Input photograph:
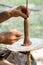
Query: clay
x,y
26,35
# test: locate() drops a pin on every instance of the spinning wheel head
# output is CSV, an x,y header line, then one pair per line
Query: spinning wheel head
x,y
37,43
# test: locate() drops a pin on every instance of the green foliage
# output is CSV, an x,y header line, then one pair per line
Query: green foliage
x,y
35,20
20,2
36,1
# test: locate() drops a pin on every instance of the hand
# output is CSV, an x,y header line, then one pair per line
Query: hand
x,y
20,11
11,36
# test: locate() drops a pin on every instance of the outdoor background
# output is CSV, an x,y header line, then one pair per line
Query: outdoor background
x,y
35,19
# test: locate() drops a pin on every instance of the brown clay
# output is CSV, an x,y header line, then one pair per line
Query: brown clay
x,y
26,39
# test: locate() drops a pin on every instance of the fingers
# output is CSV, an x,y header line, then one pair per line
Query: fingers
x,y
18,34
15,32
17,38
12,37
23,15
21,10
13,40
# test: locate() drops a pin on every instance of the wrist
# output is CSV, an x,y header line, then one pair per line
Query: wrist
x,y
13,12
9,13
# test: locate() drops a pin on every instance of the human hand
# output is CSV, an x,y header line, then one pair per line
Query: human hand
x,y
10,36
20,11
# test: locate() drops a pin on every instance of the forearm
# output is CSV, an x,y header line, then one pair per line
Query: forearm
x,y
5,15
1,38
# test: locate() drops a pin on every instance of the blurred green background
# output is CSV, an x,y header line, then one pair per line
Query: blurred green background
x,y
35,20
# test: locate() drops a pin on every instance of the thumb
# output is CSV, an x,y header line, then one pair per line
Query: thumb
x,y
23,15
